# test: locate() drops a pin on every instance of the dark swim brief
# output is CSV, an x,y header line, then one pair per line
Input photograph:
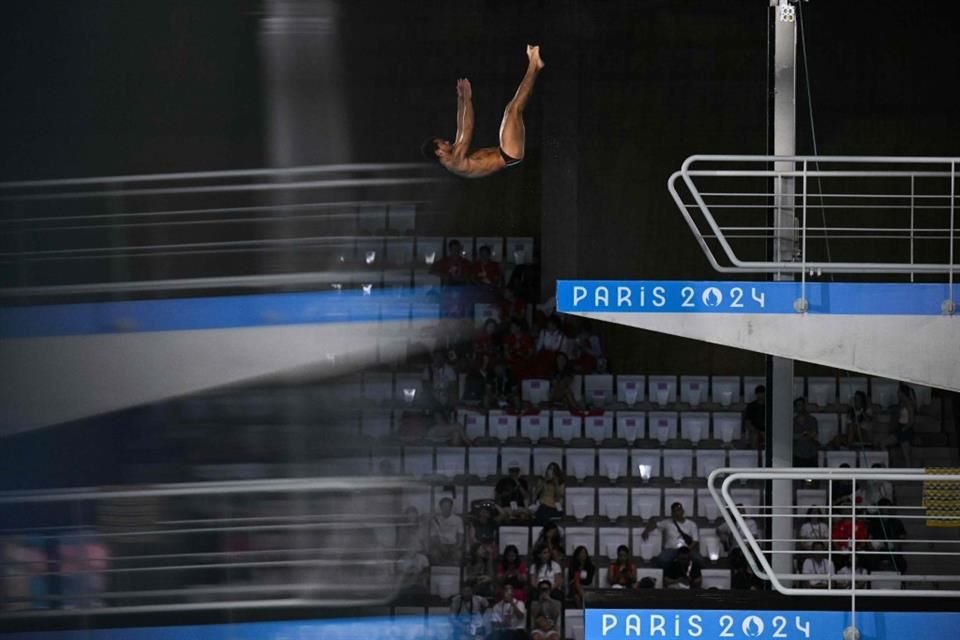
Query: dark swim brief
x,y
508,159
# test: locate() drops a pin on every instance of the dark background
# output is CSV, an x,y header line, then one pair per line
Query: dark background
x,y
631,88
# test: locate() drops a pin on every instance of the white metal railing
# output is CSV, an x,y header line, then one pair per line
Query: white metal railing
x,y
760,550
306,542
251,228
905,207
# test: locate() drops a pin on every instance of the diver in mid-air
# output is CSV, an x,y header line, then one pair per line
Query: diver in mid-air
x,y
457,157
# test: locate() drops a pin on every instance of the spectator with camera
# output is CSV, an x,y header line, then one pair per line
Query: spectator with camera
x,y
677,531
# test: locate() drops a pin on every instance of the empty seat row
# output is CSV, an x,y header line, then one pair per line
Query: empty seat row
x,y
603,541
661,426
626,425
629,389
695,390
611,503
425,251
578,463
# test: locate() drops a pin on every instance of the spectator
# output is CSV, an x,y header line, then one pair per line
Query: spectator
x,y
859,421
683,571
24,585
466,612
887,534
453,269
512,494
813,530
549,494
519,350
545,615
581,572
546,568
512,571
561,383
725,535
513,308
806,445
412,428
742,576
844,533
475,384
552,538
446,534
509,617
755,417
483,529
410,539
677,531
588,353
817,564
442,378
622,573
446,430
486,272
524,280
845,572
479,571
842,489
82,562
552,339
876,490
503,391
906,419
488,342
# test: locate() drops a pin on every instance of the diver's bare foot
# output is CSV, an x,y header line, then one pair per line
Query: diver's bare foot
x,y
533,53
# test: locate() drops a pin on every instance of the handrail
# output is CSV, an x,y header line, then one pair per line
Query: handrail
x,y
347,540
715,204
757,556
210,230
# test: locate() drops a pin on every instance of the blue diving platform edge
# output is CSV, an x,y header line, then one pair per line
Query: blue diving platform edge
x,y
744,297
219,312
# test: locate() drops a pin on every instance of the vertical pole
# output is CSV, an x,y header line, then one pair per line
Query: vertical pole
x,y
912,225
951,303
305,85
780,370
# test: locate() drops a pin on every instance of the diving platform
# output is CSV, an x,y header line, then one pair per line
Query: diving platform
x,y
900,331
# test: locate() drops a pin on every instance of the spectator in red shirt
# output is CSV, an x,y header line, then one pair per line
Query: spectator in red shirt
x,y
453,269
622,573
511,570
518,350
512,307
488,342
486,271
843,532
588,354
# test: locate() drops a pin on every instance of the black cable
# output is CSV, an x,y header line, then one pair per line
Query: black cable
x,y
813,131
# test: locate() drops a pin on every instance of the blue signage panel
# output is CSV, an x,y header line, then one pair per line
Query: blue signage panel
x,y
217,312
672,296
438,628
667,624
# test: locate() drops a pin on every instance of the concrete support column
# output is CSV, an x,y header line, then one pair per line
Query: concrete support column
x,y
305,85
779,446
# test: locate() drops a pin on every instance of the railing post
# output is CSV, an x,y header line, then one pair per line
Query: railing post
x,y
801,305
912,225
950,305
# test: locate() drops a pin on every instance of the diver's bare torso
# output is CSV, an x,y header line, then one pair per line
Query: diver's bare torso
x,y
476,164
